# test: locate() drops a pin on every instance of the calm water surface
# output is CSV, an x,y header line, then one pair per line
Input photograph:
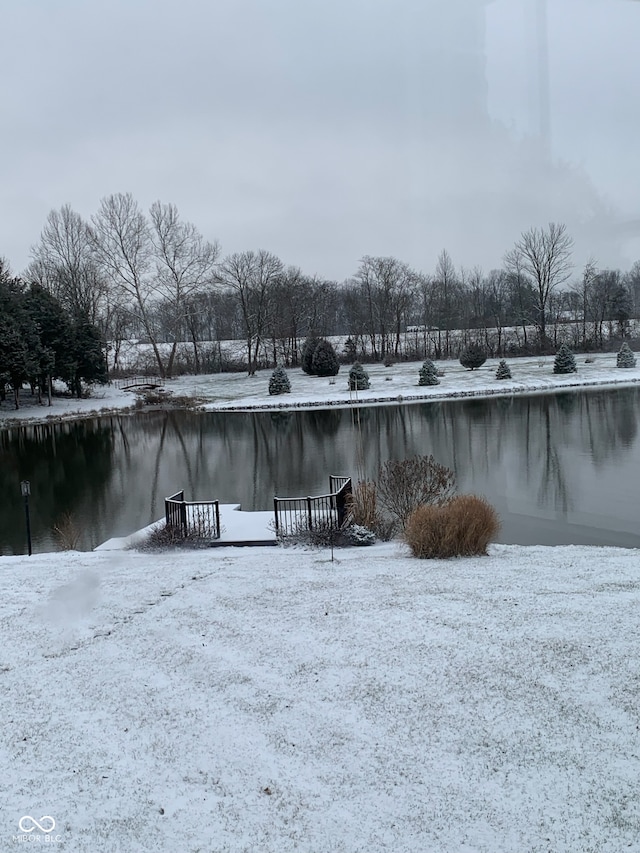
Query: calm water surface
x,y
560,469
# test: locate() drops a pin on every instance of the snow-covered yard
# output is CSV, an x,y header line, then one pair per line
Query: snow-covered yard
x,y
270,700
237,391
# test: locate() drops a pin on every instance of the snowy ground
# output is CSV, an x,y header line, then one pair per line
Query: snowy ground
x,y
237,391
269,700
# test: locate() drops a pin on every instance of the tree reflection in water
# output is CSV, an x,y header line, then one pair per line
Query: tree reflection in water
x,y
560,468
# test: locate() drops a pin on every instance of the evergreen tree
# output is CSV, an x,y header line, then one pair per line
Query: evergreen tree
x,y
503,371
358,378
279,382
564,361
20,347
473,356
625,357
427,374
308,349
349,351
324,361
56,334
89,363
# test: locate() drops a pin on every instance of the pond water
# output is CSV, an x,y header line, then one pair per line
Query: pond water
x,y
560,469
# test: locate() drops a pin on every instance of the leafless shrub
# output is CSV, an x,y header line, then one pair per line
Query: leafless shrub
x,y
67,533
463,527
168,536
160,397
406,484
362,507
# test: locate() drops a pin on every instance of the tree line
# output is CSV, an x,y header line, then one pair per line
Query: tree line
x,y
41,341
153,277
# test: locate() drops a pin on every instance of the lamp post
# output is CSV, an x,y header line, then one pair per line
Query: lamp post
x,y
25,488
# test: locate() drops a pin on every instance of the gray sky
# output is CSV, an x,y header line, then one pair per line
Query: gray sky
x,y
313,128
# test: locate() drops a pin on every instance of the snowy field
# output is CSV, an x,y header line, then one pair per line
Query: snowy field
x,y
268,700
237,391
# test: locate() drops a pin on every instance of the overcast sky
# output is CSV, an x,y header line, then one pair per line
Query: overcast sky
x,y
309,127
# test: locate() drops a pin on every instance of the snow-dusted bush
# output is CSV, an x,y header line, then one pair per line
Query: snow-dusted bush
x,y
358,535
473,356
625,357
427,375
503,371
324,361
462,527
279,382
358,378
564,361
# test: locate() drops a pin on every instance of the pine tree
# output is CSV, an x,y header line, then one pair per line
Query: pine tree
x,y
564,361
358,378
325,361
625,357
427,374
503,371
279,382
473,356
308,348
349,351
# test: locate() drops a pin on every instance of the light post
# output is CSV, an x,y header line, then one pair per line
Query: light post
x,y
25,488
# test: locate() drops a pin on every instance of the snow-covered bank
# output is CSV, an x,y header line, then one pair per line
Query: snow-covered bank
x,y
269,700
389,385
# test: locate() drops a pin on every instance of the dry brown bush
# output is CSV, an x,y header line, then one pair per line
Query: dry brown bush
x,y
463,527
67,533
363,510
406,484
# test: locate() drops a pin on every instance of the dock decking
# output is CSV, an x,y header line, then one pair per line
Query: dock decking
x,y
237,529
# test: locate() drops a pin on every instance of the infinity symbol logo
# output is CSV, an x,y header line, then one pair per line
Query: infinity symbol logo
x,y
28,824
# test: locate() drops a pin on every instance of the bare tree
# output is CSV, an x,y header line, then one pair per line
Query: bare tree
x,y
545,256
252,277
185,264
64,264
447,288
153,265
386,286
122,244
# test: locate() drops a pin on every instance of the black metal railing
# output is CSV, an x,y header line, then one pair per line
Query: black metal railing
x,y
314,512
199,519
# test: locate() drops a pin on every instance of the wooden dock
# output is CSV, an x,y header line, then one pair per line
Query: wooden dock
x,y
237,529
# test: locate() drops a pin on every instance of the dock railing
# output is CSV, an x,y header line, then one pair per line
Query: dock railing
x,y
313,512
200,519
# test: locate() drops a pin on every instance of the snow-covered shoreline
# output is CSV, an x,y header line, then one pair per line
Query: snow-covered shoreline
x,y
229,392
268,699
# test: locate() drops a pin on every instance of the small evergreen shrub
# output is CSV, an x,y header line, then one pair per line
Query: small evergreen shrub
x,y
462,527
503,371
388,360
358,535
406,484
324,361
358,378
625,357
427,375
308,349
473,356
564,361
279,382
